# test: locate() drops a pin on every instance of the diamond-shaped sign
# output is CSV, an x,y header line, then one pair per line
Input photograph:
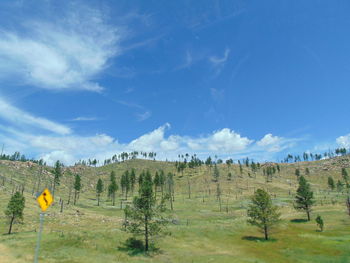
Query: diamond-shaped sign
x,y
45,200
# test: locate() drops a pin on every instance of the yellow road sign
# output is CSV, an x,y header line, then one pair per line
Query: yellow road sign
x,y
45,200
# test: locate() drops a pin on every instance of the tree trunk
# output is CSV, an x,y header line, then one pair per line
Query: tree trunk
x,y
146,233
171,203
348,204
98,199
189,188
11,222
75,197
266,233
308,213
70,193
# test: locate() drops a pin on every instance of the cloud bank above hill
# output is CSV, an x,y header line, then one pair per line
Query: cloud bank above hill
x,y
61,143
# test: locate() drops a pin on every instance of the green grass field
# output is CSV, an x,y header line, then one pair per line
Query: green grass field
x,y
200,232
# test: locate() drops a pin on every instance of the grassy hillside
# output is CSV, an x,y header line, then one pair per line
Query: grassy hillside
x,y
199,232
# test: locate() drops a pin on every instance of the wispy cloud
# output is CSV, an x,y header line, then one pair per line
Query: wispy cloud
x,y
129,90
130,104
188,60
84,119
143,116
21,118
220,61
217,94
65,53
146,114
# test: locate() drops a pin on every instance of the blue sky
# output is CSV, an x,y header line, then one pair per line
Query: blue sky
x,y
87,79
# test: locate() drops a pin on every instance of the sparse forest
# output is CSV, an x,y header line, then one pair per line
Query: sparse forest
x,y
132,207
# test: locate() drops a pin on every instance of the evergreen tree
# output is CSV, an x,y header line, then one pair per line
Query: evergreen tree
x,y
132,180
77,187
113,187
297,172
262,213
125,183
345,175
99,190
170,188
162,179
319,222
57,176
144,214
216,173
340,186
15,207
304,198
307,171
240,168
331,184
156,183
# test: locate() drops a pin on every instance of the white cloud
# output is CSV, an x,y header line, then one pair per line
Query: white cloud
x,y
84,119
20,118
143,116
268,139
272,143
70,148
65,53
150,141
344,141
219,61
224,141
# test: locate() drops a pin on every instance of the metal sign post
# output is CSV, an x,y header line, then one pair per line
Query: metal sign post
x,y
44,200
39,237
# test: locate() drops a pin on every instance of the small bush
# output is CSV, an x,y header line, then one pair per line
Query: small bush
x,y
133,243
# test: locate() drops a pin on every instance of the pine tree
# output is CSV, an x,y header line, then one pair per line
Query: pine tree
x,y
125,183
162,179
144,214
297,172
345,175
304,198
113,187
77,187
99,190
216,173
340,186
262,213
15,207
170,188
156,183
132,180
57,176
319,222
331,184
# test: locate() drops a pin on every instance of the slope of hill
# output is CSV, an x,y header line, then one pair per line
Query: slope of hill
x,y
203,228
